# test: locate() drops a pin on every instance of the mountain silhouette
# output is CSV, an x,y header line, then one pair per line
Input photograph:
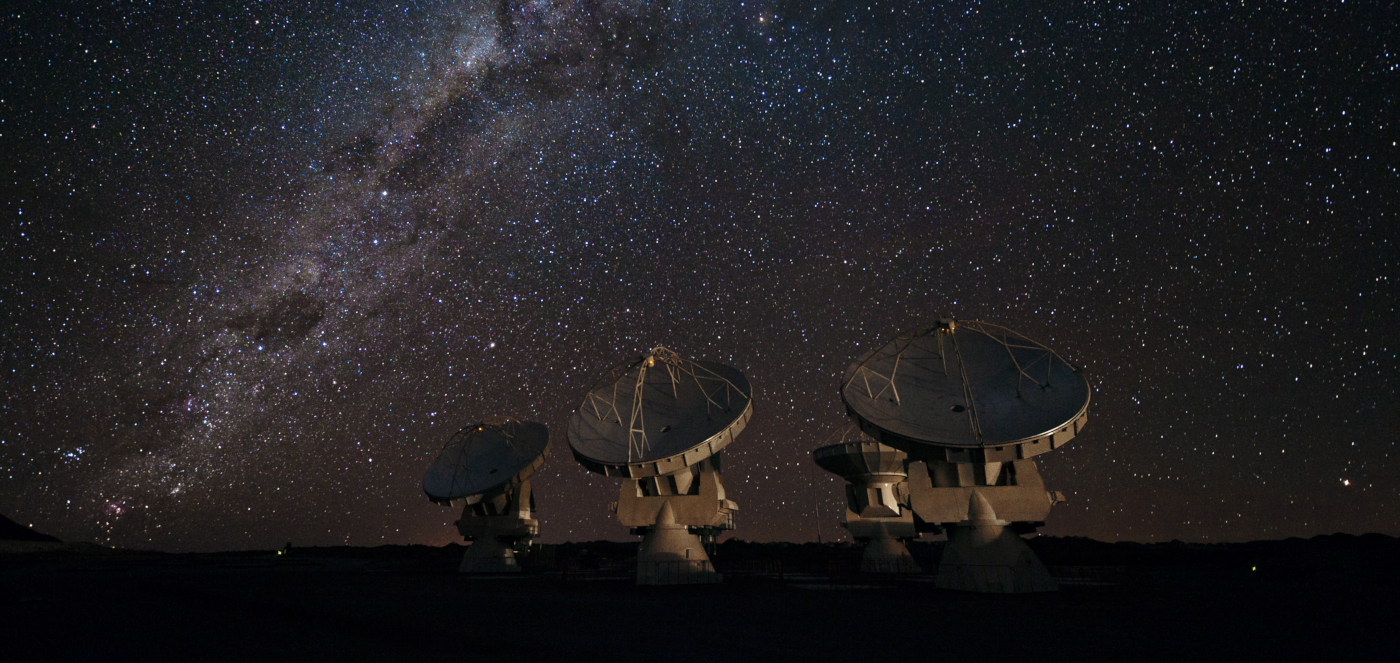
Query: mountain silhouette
x,y
13,531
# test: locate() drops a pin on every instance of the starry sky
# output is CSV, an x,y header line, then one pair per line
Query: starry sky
x,y
260,259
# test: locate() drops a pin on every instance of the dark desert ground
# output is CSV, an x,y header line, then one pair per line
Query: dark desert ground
x,y
1277,600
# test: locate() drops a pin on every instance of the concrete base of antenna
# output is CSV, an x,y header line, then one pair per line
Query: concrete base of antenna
x,y
984,554
490,554
984,508
671,554
886,553
884,529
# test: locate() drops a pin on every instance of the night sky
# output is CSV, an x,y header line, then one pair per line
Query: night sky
x,y
260,259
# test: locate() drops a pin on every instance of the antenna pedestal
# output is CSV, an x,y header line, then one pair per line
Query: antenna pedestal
x,y
939,491
495,526
696,495
877,502
675,513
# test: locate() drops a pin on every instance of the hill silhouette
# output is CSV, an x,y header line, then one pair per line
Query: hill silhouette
x,y
13,531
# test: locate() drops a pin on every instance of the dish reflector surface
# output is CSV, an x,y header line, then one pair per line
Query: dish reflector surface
x,y
479,459
659,414
967,385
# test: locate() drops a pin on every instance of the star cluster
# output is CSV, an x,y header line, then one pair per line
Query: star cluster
x,y
261,259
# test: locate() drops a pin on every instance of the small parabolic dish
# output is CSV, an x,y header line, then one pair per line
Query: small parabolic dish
x,y
659,414
966,391
480,459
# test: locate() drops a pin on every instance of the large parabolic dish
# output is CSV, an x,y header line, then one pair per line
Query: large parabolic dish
x,y
966,392
659,414
487,457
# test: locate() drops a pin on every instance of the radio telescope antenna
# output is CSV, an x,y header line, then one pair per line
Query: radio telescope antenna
x,y
971,403
659,422
485,469
877,498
